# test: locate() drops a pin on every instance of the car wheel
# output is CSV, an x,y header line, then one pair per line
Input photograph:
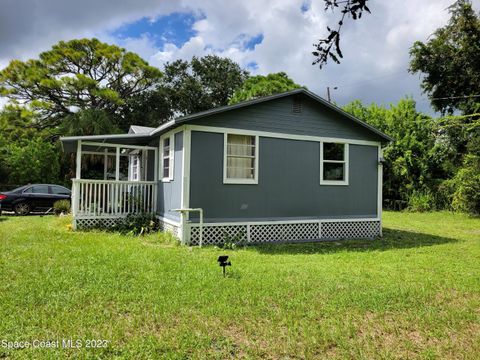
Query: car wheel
x,y
21,208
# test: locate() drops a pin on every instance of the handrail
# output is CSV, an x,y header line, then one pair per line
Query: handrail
x,y
128,182
101,198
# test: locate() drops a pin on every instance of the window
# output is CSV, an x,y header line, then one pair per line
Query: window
x,y
134,168
59,190
37,189
333,163
167,148
240,159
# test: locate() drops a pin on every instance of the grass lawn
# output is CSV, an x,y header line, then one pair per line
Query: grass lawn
x,y
413,294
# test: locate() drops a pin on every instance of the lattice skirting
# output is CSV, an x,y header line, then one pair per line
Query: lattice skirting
x,y
86,224
98,223
214,234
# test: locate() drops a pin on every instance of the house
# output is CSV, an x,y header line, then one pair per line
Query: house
x,y
286,167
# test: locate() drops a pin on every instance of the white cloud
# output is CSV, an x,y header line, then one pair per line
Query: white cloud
x,y
375,48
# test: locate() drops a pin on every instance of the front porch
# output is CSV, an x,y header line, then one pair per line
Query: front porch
x,y
121,179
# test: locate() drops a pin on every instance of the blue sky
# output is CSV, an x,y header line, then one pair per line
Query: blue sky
x,y
175,28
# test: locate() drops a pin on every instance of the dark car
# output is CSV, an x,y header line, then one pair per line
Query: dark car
x,y
34,197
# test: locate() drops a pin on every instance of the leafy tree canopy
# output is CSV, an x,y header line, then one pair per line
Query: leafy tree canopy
x,y
412,162
88,122
34,161
201,84
258,86
77,74
450,61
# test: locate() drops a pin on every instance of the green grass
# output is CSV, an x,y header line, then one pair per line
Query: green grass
x,y
413,294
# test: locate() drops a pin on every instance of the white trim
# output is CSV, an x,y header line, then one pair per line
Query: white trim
x,y
78,174
266,222
281,135
168,221
101,153
345,161
226,180
117,165
103,137
112,181
155,165
162,127
123,146
186,168
380,187
171,156
170,134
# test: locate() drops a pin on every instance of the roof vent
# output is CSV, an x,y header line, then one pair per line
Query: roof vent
x,y
296,105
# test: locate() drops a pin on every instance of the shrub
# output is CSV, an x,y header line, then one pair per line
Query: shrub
x,y
138,224
421,201
61,206
467,186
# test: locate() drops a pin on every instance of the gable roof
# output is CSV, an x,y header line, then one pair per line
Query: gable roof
x,y
137,129
242,104
143,133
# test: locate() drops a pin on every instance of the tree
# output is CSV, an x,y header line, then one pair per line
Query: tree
x,y
37,161
412,163
149,108
88,122
329,47
201,84
258,86
450,65
77,74
450,61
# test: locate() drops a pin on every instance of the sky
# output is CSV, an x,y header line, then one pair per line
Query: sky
x,y
262,36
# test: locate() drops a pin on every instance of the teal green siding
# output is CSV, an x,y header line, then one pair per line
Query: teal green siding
x,y
288,185
315,119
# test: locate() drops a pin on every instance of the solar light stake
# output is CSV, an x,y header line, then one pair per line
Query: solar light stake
x,y
222,261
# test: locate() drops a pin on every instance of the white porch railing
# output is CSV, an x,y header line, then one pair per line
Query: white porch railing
x,y
110,198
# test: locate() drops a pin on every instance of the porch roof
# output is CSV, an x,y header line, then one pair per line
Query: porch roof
x,y
70,143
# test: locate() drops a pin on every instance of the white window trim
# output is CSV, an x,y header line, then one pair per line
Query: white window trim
x,y
132,167
345,161
226,180
170,176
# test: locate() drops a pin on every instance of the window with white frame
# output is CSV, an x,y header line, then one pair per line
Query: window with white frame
x,y
167,150
134,168
241,159
333,163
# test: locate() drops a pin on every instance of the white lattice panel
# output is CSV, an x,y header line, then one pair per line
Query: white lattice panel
x,y
85,224
218,234
350,230
283,232
278,232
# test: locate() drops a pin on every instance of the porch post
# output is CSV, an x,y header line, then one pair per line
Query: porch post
x,y
78,172
76,185
105,164
117,164
155,176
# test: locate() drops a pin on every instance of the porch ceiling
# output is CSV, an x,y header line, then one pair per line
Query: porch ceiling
x,y
70,143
